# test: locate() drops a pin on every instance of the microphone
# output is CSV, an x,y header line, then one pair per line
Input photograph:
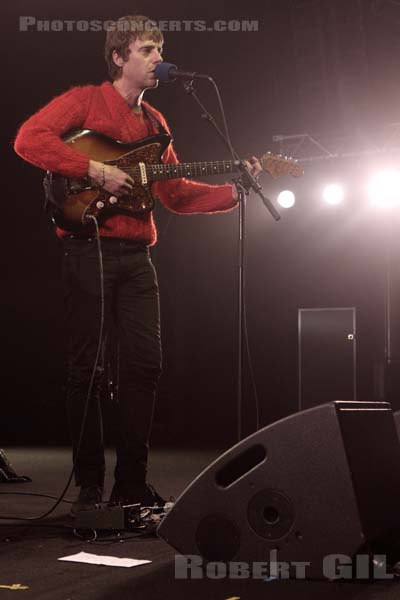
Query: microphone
x,y
168,72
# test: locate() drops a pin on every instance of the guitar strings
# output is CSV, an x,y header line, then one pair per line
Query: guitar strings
x,y
168,170
165,171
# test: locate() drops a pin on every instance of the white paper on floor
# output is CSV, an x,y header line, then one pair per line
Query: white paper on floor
x,y
109,561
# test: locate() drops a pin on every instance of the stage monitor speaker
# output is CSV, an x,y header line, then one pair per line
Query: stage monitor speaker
x,y
320,482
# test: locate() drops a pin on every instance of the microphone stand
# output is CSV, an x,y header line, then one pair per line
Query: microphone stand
x,y
245,182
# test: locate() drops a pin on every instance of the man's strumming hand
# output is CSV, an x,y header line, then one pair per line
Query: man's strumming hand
x,y
110,178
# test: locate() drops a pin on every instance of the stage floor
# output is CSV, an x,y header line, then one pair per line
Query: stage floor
x,y
29,549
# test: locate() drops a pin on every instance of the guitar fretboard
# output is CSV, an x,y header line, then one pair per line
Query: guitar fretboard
x,y
189,170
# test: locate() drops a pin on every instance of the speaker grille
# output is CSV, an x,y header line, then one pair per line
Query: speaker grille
x,y
270,514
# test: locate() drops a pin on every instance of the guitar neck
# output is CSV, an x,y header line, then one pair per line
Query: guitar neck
x,y
158,172
142,172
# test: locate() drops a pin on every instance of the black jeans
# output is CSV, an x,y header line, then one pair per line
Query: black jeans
x,y
132,302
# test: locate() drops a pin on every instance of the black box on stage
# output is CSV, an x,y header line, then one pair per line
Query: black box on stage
x,y
326,355
320,482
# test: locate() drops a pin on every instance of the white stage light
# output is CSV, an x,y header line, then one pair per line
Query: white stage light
x,y
384,189
286,199
333,194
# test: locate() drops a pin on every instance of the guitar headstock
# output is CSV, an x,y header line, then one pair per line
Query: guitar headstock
x,y
277,165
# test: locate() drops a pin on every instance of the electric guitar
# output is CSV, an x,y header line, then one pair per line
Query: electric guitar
x,y
73,201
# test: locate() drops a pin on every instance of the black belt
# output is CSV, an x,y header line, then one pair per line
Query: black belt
x,y
104,238
108,240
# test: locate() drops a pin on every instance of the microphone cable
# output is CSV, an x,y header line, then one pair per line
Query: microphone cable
x,y
88,395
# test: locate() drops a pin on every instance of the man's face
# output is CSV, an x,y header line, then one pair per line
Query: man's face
x,y
138,70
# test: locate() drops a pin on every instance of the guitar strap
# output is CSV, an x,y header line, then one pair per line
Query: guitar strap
x,y
160,128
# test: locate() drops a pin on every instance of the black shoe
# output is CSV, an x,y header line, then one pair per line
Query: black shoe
x,y
139,493
89,498
7,473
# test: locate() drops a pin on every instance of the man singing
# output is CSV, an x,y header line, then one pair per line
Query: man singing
x,y
133,50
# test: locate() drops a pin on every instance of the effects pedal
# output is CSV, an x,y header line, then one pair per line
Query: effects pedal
x,y
132,517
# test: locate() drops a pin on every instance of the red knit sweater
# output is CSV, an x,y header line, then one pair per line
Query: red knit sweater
x,y
102,108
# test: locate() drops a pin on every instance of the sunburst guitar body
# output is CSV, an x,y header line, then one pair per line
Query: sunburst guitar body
x,y
75,201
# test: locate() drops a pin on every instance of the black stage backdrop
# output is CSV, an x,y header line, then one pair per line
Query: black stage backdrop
x,y
308,67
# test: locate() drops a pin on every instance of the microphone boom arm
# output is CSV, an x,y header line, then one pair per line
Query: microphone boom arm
x,y
248,180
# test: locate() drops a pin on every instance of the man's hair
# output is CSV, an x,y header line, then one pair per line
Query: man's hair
x,y
124,31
